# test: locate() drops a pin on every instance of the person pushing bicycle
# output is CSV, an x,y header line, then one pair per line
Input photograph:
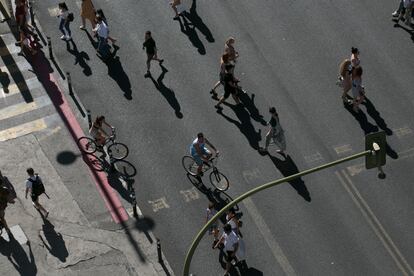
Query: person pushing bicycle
x,y
97,132
200,152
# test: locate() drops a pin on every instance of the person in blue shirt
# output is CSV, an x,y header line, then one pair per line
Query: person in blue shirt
x,y
200,152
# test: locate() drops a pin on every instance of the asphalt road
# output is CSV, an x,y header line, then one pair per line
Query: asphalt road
x,y
354,224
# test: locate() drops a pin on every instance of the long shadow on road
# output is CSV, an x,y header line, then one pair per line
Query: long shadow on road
x,y
197,22
189,30
18,257
168,93
80,57
54,241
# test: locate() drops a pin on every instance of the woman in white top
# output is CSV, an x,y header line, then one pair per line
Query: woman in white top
x,y
355,61
64,21
358,92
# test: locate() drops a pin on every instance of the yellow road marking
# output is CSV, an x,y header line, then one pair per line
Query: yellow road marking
x,y
21,108
374,223
23,129
343,149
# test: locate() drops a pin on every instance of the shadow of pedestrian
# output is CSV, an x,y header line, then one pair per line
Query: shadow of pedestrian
x,y
197,22
18,257
79,57
248,102
373,112
362,119
92,40
117,73
252,272
168,93
54,241
5,81
409,31
118,185
245,125
188,29
287,168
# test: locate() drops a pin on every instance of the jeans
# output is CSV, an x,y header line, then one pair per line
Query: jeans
x,y
103,46
64,27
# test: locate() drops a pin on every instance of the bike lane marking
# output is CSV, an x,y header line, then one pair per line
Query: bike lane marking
x,y
158,204
190,194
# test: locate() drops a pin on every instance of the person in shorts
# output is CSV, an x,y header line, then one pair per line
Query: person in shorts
x,y
230,86
33,180
151,49
276,133
214,230
200,152
230,240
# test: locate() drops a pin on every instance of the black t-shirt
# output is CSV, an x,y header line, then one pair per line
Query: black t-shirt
x,y
228,79
149,45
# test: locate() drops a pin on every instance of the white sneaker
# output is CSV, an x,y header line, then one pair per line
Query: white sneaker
x,y
63,37
395,14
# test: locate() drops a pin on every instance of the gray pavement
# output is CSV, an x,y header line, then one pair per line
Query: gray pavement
x,y
78,237
289,56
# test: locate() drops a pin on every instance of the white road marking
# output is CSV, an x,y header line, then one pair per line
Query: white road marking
x,y
250,175
190,194
268,237
21,108
403,131
343,149
22,129
374,223
356,169
53,12
158,204
32,83
313,157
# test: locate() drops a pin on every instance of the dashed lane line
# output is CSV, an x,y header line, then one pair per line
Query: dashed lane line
x,y
374,223
268,237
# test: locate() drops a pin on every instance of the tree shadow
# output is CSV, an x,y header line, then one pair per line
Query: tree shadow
x,y
54,241
17,256
80,57
188,29
5,81
373,112
117,73
168,93
244,124
248,102
287,167
197,22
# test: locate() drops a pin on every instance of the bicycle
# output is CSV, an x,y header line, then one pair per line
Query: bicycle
x,y
217,179
124,168
115,150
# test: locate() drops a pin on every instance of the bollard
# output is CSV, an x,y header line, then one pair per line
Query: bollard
x,y
49,44
32,14
88,112
159,251
69,83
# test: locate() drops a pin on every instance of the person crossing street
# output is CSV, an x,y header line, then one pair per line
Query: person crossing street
x,y
34,187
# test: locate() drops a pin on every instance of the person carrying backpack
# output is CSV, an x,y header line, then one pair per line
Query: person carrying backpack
x,y
35,186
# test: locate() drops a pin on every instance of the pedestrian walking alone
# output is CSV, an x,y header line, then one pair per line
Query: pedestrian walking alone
x,y
34,186
65,19
102,15
174,5
358,91
151,49
101,30
230,86
223,62
87,12
229,49
276,133
214,230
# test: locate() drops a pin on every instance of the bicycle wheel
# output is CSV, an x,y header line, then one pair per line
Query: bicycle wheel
x,y
87,145
219,180
124,168
118,151
189,165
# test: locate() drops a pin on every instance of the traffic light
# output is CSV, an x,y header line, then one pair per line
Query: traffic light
x,y
376,142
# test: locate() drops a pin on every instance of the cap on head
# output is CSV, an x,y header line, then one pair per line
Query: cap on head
x,y
227,228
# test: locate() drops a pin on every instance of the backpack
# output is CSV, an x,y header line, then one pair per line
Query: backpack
x,y
37,186
71,17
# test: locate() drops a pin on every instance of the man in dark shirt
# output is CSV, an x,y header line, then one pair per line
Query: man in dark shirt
x,y
151,50
230,86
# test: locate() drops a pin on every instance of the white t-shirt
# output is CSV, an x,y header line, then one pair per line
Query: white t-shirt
x,y
63,14
230,241
29,183
102,29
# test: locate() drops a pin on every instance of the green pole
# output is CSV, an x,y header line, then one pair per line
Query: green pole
x,y
203,230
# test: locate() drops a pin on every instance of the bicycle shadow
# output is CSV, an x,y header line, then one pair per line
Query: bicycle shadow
x,y
197,22
54,241
244,124
25,266
287,167
249,104
188,29
168,93
80,57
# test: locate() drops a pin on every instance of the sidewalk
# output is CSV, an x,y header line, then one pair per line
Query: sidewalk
x,y
85,234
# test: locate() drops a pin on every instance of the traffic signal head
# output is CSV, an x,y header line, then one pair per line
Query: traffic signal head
x,y
376,143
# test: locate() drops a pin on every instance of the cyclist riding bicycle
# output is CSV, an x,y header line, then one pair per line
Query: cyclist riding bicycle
x,y
200,152
97,132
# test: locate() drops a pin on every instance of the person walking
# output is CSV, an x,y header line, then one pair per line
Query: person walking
x,y
223,62
174,5
230,240
276,133
64,24
87,12
34,186
229,49
214,230
230,86
102,15
151,49
4,195
406,12
358,91
26,42
101,30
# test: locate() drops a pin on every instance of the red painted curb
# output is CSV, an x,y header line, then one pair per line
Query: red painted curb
x,y
44,71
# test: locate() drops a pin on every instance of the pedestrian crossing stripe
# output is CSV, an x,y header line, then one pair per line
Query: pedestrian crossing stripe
x,y
21,108
23,129
9,50
13,89
17,67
